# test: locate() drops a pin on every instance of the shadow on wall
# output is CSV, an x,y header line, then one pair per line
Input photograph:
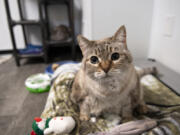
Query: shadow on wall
x,y
57,16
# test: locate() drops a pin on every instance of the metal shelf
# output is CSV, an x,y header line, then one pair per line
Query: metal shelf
x,y
26,22
31,55
43,23
59,43
53,2
71,41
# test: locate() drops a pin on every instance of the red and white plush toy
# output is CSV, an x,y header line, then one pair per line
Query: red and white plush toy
x,y
57,125
60,125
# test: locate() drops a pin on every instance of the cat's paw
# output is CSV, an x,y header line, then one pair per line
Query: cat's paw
x,y
142,109
127,119
84,117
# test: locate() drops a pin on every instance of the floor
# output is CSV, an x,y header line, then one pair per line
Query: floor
x,y
18,107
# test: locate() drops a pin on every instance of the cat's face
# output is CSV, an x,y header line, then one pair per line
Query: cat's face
x,y
105,58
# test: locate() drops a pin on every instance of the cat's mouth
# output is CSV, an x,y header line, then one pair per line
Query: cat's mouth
x,y
101,75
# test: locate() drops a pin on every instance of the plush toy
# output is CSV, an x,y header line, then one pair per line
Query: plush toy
x,y
60,125
57,125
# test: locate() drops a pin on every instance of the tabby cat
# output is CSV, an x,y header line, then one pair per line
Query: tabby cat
x,y
107,81
61,32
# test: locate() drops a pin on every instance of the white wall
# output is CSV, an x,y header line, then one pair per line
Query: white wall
x,y
165,37
5,40
87,18
108,15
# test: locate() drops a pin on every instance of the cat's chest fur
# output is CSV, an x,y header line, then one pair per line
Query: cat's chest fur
x,y
110,94
100,89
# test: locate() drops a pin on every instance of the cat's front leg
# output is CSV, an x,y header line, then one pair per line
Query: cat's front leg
x,y
84,111
127,112
142,108
77,94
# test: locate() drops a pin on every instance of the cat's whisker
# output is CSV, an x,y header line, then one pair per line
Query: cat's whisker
x,y
115,71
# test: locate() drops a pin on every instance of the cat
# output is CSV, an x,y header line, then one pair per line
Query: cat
x,y
107,81
61,32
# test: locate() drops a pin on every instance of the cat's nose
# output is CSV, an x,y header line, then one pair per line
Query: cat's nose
x,y
105,70
105,66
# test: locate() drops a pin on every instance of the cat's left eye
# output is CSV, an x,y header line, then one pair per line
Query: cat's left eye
x,y
94,59
115,56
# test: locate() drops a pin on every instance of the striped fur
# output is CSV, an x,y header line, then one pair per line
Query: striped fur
x,y
144,71
108,83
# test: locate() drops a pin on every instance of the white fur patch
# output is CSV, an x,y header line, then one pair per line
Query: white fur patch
x,y
93,119
99,75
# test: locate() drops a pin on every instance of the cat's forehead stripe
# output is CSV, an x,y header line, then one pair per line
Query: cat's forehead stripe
x,y
110,49
95,51
116,48
99,50
107,47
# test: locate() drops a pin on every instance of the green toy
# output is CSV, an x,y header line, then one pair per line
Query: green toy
x,y
38,83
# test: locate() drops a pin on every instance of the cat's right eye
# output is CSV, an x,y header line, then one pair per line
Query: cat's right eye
x,y
115,56
94,60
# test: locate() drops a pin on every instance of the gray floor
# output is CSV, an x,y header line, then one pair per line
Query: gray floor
x,y
18,107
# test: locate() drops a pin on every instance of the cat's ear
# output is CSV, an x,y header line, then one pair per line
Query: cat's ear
x,y
83,43
120,35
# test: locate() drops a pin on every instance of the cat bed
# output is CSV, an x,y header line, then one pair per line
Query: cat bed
x,y
38,83
156,94
49,69
31,49
60,33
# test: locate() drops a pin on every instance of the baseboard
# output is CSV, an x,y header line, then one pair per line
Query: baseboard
x,y
6,51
